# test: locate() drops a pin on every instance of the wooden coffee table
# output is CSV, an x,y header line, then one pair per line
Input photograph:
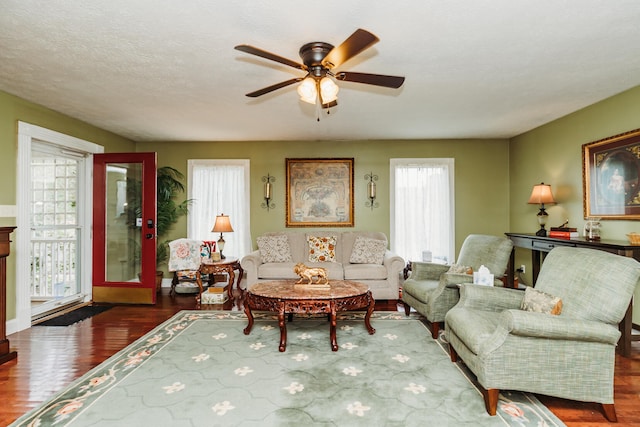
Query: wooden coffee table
x,y
284,297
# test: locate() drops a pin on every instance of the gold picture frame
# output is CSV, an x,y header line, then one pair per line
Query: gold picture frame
x,y
611,177
319,192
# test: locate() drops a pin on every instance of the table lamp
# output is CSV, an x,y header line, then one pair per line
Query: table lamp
x,y
222,225
541,194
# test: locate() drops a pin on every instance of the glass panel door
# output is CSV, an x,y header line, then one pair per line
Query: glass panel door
x,y
56,230
124,228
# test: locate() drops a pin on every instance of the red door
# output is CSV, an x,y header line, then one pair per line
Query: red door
x,y
124,228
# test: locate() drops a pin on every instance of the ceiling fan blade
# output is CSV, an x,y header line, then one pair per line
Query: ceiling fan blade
x,y
356,43
268,55
271,88
371,79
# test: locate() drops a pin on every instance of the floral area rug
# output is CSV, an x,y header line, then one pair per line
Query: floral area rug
x,y
199,369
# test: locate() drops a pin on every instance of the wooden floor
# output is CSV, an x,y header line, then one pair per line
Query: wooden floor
x,y
50,357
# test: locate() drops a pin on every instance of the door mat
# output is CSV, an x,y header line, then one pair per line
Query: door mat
x,y
75,316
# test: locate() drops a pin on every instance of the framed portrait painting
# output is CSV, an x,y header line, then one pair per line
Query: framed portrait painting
x,y
319,193
611,177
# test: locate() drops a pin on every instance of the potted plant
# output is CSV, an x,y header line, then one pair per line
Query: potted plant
x,y
169,185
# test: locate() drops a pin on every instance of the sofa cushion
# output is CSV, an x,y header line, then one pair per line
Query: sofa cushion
x,y
274,248
277,270
368,251
335,270
540,302
365,272
322,248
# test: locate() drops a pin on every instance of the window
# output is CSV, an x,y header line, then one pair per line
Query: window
x,y
422,213
220,187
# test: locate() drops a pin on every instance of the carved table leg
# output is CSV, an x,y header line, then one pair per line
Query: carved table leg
x,y
283,330
367,317
247,311
332,328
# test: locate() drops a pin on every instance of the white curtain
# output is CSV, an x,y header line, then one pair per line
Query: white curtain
x,y
220,187
422,209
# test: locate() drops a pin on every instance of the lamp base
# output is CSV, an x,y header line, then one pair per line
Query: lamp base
x,y
542,232
223,257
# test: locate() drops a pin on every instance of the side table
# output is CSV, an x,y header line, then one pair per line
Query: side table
x,y
228,266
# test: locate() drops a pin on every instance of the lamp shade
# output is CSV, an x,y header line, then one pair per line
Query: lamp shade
x,y
541,194
308,91
328,90
222,224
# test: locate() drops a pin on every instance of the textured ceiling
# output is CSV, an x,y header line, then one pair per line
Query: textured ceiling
x,y
154,70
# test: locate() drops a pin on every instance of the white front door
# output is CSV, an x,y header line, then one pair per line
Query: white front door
x,y
53,238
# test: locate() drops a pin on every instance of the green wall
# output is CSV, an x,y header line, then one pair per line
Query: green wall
x,y
493,178
12,110
553,153
481,176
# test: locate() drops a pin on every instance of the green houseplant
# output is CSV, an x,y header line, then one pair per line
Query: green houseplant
x,y
168,211
169,185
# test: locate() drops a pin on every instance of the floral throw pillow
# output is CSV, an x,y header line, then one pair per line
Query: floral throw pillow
x,y
274,248
540,302
368,251
322,248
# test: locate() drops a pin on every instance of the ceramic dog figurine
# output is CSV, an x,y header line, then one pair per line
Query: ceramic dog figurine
x,y
308,273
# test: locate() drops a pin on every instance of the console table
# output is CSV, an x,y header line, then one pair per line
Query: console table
x,y
5,352
540,245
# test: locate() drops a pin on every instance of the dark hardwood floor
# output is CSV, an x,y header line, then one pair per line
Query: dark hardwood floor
x,y
50,357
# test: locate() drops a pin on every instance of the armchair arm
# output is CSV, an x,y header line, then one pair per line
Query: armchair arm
x,y
526,323
455,278
250,264
489,298
538,325
427,270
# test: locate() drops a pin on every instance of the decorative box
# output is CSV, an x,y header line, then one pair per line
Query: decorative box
x,y
213,297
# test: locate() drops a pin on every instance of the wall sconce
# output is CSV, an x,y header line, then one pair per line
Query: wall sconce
x,y
541,194
268,192
371,190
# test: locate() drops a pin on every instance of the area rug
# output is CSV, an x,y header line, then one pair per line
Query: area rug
x,y
75,316
199,369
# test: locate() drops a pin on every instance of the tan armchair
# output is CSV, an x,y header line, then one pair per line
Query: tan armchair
x,y
431,290
570,355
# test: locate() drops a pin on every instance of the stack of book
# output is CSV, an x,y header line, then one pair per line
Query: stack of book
x,y
564,232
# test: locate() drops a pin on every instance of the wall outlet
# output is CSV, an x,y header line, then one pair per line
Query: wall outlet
x,y
522,268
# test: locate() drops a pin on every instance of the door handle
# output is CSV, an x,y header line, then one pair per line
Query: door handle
x,y
150,223
149,236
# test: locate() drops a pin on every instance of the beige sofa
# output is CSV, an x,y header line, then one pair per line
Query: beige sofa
x,y
374,264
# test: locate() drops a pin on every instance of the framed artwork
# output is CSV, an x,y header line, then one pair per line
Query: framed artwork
x,y
319,193
611,177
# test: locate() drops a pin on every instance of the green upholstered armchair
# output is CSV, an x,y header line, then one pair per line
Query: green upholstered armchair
x,y
429,287
570,355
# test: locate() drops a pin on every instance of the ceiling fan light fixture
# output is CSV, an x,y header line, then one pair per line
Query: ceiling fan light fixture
x,y
308,91
328,90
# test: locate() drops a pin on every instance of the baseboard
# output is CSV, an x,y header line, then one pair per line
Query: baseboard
x,y
12,326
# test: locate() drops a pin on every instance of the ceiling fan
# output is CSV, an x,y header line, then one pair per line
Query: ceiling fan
x,y
319,60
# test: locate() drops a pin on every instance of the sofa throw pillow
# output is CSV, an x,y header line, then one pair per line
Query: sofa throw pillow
x,y
274,248
368,251
322,248
540,302
460,269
